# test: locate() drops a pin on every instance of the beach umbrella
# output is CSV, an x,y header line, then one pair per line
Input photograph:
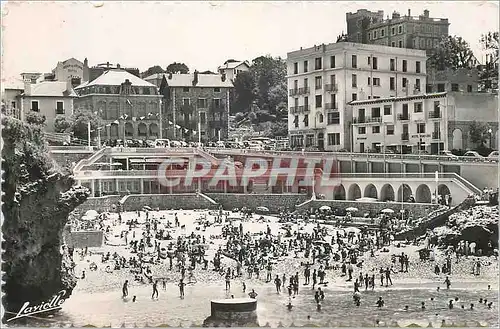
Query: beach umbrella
x,y
91,213
263,209
324,208
387,211
352,229
351,209
146,207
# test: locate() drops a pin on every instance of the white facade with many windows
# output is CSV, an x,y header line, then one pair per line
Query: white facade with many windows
x,y
410,124
322,80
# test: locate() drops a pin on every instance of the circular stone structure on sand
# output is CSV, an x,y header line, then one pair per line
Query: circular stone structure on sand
x,y
232,312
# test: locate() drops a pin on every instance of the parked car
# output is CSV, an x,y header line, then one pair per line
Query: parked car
x,y
447,154
493,155
473,154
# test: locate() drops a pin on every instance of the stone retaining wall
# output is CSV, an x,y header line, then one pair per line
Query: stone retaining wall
x,y
274,202
101,204
417,209
186,201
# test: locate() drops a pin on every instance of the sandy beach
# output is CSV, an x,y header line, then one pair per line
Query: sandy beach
x,y
97,298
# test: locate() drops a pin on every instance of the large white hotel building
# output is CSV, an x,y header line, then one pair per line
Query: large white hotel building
x,y
324,79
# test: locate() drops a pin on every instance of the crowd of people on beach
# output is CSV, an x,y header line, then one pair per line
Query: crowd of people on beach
x,y
325,252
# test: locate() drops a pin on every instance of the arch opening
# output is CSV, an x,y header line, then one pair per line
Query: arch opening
x,y
354,192
339,192
423,194
457,139
404,193
370,191
443,190
387,193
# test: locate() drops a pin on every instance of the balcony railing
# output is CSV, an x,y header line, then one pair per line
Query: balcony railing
x,y
294,92
59,111
436,135
435,115
318,87
374,119
405,137
294,109
304,108
402,117
331,106
303,91
331,87
359,120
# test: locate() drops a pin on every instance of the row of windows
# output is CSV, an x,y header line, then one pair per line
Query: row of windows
x,y
419,128
381,33
318,101
204,102
115,90
35,106
187,89
371,60
298,140
332,118
203,117
417,108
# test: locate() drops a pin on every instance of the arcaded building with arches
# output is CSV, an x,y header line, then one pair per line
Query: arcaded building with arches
x,y
129,106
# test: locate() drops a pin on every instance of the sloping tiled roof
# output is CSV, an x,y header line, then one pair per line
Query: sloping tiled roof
x,y
51,88
154,76
232,65
13,83
204,80
116,78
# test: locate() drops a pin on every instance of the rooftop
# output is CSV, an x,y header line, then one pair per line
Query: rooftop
x,y
339,46
116,77
51,89
233,64
204,80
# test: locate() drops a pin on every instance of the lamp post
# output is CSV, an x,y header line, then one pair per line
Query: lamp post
x,y
490,131
88,135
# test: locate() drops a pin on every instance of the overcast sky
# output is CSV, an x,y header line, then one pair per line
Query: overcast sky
x,y
201,34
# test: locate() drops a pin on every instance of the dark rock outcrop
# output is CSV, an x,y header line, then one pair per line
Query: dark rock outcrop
x,y
34,266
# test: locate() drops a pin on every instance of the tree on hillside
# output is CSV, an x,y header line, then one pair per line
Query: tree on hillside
x,y
34,118
451,53
478,132
152,70
80,124
270,82
63,124
177,68
207,72
244,85
489,72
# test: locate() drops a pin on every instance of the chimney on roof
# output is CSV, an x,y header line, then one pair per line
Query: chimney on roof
x,y
107,64
69,85
85,62
426,13
27,87
409,12
223,77
195,79
117,66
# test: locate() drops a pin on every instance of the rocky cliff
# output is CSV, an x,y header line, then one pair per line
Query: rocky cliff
x,y
34,266
38,196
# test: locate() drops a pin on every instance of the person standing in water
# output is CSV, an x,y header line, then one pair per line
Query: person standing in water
x,y
125,289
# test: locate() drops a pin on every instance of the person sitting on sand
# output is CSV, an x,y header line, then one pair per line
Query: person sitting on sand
x,y
380,302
